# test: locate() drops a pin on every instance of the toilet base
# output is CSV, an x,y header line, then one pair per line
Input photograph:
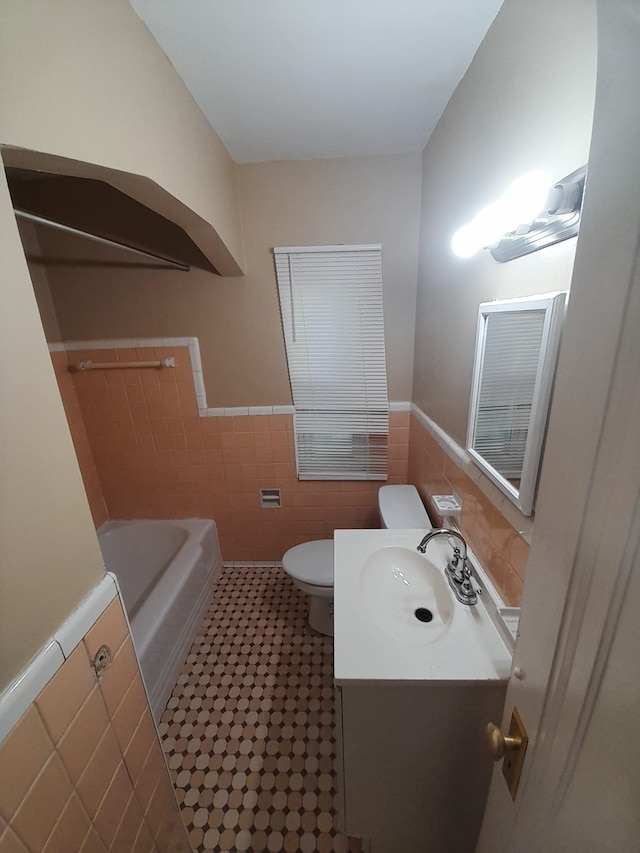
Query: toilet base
x,y
321,614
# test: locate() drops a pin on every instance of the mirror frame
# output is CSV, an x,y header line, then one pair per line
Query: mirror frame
x,y
553,304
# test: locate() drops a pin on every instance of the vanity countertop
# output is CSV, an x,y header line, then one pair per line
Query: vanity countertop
x,y
469,649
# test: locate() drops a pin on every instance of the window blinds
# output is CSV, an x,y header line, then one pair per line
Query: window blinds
x,y
331,304
507,387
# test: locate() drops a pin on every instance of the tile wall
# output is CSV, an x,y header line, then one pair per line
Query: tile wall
x,y
80,438
156,457
83,770
497,544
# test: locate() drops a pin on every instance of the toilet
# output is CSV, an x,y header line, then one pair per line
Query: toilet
x,y
400,508
310,565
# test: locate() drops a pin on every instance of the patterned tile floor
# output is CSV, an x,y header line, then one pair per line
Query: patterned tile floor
x,y
248,731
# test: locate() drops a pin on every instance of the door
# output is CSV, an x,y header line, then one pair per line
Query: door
x,y
576,677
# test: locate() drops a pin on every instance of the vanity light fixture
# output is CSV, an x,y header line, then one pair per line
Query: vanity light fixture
x,y
530,215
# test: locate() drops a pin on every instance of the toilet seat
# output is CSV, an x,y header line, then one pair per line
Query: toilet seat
x,y
311,562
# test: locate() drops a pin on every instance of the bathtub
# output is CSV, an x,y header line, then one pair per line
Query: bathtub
x,y
165,571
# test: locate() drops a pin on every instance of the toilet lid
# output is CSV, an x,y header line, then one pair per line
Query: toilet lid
x,y
311,562
401,508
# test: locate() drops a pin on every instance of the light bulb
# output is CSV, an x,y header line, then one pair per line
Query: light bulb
x,y
523,201
526,198
465,242
491,223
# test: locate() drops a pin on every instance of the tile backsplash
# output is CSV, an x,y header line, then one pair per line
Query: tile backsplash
x,y
149,453
499,547
83,769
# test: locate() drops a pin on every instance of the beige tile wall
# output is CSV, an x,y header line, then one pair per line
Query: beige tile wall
x,y
496,543
83,769
155,457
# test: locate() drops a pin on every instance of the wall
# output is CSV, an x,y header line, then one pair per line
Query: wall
x,y
49,557
80,438
39,279
83,769
525,104
101,92
362,200
86,88
78,431
359,200
155,457
486,525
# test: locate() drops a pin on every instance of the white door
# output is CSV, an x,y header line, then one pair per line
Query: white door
x,y
576,678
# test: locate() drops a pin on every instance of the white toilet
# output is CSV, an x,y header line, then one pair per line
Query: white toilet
x,y
400,508
310,565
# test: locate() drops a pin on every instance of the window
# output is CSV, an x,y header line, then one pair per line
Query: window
x,y
505,395
516,351
331,305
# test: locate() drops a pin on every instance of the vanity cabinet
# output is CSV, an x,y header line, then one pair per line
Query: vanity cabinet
x,y
412,766
413,696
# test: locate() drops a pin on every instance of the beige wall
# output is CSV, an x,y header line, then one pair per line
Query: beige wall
x,y
85,81
87,91
49,557
40,280
310,202
525,103
363,200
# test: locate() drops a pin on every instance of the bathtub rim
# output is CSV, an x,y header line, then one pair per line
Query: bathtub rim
x,y
146,625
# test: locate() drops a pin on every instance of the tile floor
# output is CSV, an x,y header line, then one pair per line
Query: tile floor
x,y
248,731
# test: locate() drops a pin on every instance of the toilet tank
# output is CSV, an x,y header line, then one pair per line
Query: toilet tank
x,y
400,508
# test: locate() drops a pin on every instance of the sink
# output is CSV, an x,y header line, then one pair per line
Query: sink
x,y
406,596
380,580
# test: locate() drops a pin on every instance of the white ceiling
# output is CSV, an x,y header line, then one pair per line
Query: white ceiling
x,y
296,79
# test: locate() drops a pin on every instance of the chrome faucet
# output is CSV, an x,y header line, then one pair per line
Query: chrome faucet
x,y
457,569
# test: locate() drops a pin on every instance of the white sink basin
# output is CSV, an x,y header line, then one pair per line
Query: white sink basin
x,y
406,596
380,580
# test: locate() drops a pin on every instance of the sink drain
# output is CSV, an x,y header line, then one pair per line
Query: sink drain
x,y
423,615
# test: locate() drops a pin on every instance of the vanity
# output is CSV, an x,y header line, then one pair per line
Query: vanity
x,y
418,676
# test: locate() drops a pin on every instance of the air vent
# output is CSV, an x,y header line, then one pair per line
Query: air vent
x,y
270,498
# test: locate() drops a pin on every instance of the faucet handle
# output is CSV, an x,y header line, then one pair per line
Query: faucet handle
x,y
474,584
458,564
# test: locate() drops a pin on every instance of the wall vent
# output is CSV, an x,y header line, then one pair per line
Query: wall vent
x,y
270,498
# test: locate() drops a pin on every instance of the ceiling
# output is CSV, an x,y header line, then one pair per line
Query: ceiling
x,y
298,79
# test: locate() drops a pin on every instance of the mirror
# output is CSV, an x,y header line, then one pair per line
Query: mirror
x,y
516,352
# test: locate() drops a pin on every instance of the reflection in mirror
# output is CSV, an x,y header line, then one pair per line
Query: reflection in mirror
x,y
516,352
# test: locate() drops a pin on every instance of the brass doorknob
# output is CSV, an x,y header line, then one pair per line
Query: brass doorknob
x,y
497,743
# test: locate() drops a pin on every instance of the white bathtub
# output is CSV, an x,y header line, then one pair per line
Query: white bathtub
x,y
166,571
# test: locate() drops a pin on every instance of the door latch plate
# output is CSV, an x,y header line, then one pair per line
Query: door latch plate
x,y
514,758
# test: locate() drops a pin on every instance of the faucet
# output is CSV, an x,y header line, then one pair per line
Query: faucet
x,y
457,570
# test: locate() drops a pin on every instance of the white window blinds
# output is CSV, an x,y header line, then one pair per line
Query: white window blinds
x,y
507,388
331,304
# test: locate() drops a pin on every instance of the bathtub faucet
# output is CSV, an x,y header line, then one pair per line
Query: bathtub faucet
x,y
457,569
